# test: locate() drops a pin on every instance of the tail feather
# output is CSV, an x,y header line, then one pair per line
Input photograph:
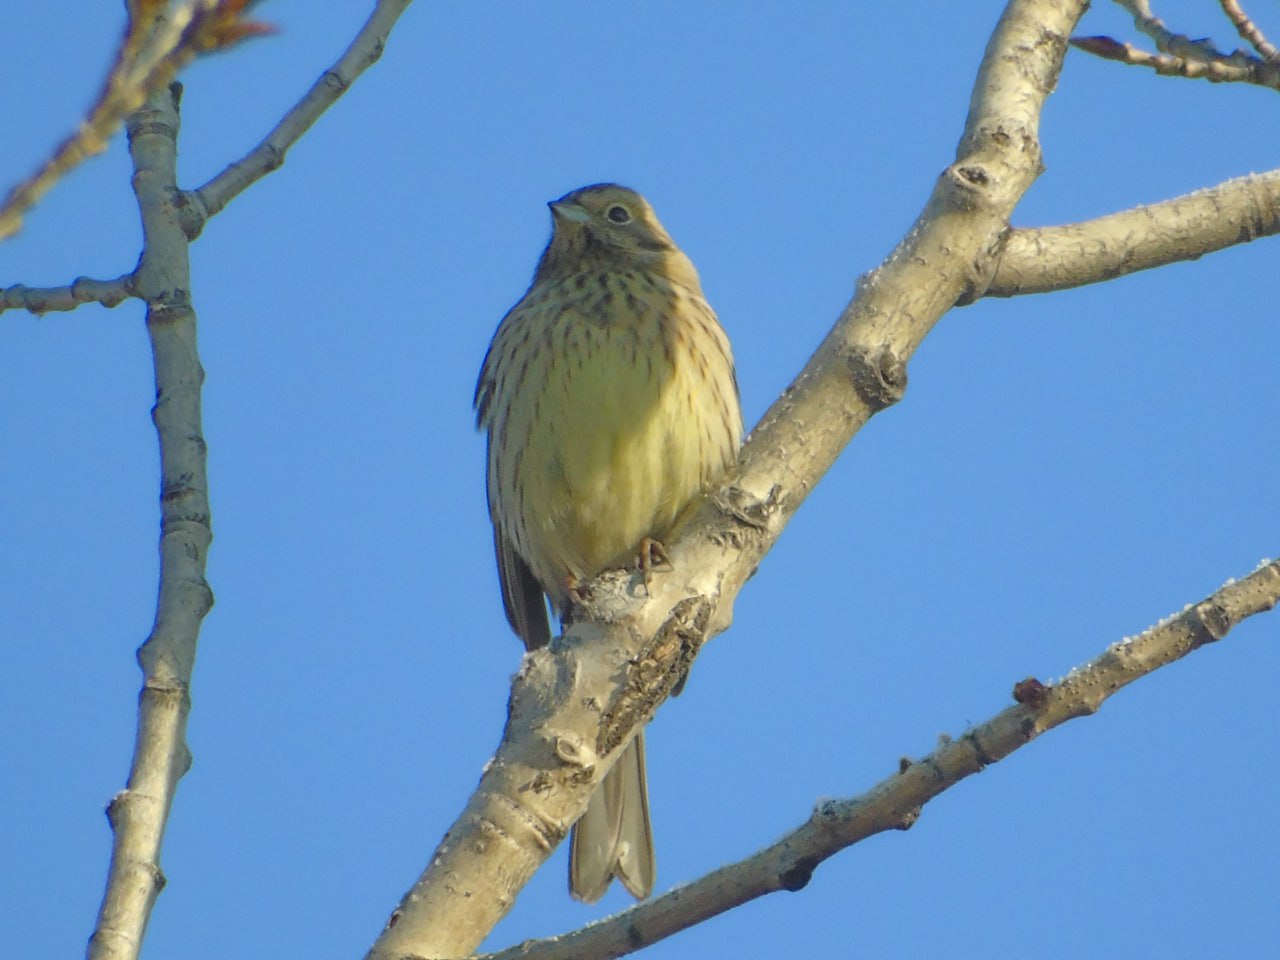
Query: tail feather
x,y
614,838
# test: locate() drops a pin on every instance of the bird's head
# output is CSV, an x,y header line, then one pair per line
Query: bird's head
x,y
609,226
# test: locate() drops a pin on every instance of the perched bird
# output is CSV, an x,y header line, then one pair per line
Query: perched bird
x,y
609,399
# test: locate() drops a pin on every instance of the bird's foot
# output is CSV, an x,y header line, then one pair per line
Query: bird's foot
x,y
652,556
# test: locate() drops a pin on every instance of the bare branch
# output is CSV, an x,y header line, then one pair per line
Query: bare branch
x,y
39,300
1248,30
1044,259
157,43
269,155
1180,56
577,703
1166,41
895,803
138,813
201,204
1236,68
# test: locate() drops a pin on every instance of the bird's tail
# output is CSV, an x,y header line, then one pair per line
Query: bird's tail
x,y
614,838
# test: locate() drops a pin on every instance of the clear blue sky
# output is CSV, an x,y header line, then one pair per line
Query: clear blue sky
x,y
1063,471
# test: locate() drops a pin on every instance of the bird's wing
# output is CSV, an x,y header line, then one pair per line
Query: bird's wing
x,y
521,595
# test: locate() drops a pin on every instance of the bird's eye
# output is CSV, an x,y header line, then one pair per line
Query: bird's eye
x,y
619,214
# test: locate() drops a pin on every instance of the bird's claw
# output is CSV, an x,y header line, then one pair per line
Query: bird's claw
x,y
652,556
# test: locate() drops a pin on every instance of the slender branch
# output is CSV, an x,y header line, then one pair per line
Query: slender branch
x,y
127,83
157,43
575,704
1236,68
896,802
1180,56
38,300
1044,259
269,155
1166,41
138,814
1249,30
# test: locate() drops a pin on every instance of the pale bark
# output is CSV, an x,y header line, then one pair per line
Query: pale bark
x,y
895,803
576,703
1043,259
170,219
138,813
40,300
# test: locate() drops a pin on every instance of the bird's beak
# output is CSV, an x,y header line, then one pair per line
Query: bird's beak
x,y
568,210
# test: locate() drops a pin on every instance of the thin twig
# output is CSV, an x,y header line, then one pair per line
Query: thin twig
x,y
157,43
39,300
201,204
1249,31
1180,56
269,155
1236,68
1175,44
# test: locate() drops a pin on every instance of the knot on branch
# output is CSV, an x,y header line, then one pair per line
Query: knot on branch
x,y
798,876
969,184
971,176
169,307
191,210
749,510
980,755
571,749
879,376
335,81
1031,692
1212,620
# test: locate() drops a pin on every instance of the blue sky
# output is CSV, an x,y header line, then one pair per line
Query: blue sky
x,y
1064,470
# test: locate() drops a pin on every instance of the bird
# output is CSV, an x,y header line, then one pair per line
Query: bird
x,y
610,403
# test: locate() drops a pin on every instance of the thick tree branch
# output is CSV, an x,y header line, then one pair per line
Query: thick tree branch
x,y
269,155
576,703
138,814
1043,259
38,300
895,803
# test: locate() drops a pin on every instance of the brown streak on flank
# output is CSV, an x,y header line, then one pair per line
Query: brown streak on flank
x,y
667,349
517,466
